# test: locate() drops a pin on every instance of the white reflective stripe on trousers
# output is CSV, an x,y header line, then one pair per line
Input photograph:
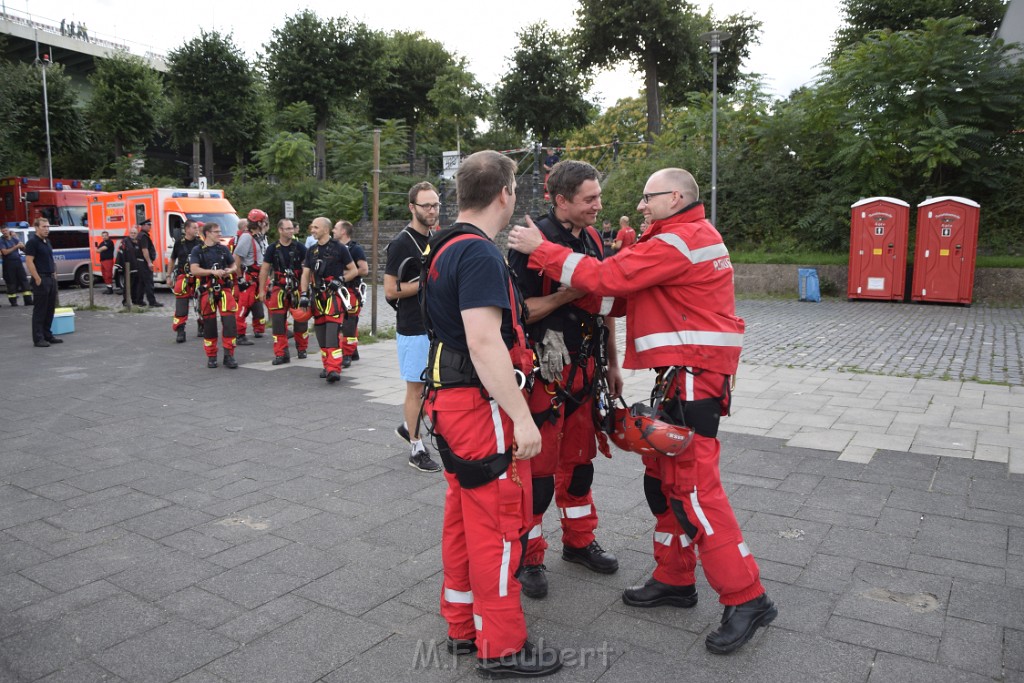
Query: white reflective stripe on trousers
x,y
458,597
506,557
575,512
536,532
699,511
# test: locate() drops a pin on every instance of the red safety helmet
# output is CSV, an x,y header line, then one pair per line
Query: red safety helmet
x,y
257,215
637,430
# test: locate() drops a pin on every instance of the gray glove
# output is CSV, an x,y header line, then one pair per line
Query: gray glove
x,y
552,356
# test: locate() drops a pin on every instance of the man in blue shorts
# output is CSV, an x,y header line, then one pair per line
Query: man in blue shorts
x,y
402,284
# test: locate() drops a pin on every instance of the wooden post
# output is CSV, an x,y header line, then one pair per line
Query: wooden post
x,y
376,233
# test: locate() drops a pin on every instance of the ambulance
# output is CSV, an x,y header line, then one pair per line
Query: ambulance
x,y
168,208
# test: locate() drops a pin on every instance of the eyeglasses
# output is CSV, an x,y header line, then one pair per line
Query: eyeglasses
x,y
647,196
428,207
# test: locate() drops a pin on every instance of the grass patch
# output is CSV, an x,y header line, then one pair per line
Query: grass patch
x,y
382,334
809,258
94,307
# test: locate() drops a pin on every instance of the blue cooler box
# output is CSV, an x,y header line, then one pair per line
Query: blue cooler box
x,y
63,321
808,284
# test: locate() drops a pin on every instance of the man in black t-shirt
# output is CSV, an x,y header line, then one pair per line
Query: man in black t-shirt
x,y
343,232
214,267
144,260
280,275
327,270
15,278
106,251
42,269
401,283
483,426
183,284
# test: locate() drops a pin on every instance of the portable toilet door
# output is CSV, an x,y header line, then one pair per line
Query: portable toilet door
x,y
947,245
879,227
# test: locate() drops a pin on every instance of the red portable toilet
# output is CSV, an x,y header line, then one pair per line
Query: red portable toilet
x,y
879,227
947,245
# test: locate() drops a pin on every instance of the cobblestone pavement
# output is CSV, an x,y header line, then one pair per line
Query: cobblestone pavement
x,y
160,521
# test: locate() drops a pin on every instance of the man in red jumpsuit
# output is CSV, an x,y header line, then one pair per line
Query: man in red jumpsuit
x,y
681,319
325,273
280,276
566,328
214,267
483,425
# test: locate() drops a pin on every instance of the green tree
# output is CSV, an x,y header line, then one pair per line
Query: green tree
x,y
28,118
413,63
127,102
543,92
214,95
864,16
288,156
661,40
459,98
318,62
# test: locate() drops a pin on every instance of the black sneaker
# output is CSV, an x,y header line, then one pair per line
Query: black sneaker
x,y
181,335
655,593
457,646
403,433
55,340
421,461
593,557
242,340
534,580
531,662
281,360
230,362
739,623
333,377
211,362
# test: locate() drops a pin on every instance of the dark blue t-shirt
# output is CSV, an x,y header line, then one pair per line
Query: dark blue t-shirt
x,y
15,256
471,273
43,253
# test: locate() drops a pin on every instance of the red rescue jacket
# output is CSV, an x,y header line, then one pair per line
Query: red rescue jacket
x,y
678,280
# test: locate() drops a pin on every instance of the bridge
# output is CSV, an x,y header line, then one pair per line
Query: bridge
x,y
29,36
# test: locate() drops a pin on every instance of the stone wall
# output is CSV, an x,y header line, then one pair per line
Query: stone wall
x,y
995,286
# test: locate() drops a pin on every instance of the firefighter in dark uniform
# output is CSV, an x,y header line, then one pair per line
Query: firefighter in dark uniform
x,y
576,351
326,272
183,284
350,328
214,268
484,429
280,275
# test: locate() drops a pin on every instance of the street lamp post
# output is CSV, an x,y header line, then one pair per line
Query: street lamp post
x,y
43,63
714,39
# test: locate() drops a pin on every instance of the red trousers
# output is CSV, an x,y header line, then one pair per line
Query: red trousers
x,y
567,453
690,486
350,330
212,305
481,544
280,305
328,316
107,268
247,304
183,287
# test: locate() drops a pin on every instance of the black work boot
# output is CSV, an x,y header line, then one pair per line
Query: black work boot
x,y
593,557
739,623
323,374
458,646
281,360
300,355
211,362
230,362
530,662
346,362
242,340
181,335
655,593
333,377
534,580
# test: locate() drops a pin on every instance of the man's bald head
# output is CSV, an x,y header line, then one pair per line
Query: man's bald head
x,y
680,180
